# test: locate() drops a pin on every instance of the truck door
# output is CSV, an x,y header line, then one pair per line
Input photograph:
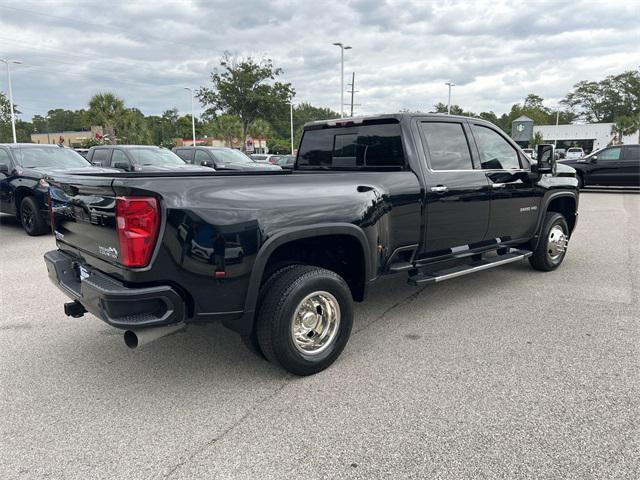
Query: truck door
x,y
457,212
605,167
515,198
630,166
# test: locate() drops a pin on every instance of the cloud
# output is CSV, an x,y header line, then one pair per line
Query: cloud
x,y
403,51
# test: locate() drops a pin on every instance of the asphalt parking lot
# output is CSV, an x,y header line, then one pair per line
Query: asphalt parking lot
x,y
507,373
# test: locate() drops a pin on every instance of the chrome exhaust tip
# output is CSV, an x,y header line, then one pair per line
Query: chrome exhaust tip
x,y
139,337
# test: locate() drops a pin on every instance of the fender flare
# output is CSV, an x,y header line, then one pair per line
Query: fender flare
x,y
245,325
543,211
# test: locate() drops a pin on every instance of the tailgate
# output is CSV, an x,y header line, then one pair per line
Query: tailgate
x,y
83,214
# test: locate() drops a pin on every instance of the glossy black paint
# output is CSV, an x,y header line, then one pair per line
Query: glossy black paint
x,y
220,229
596,169
18,182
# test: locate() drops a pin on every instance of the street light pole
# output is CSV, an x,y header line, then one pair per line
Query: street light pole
x,y
6,61
342,49
291,124
451,84
555,142
193,117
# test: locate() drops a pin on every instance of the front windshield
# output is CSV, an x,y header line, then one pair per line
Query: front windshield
x,y
232,156
36,157
155,156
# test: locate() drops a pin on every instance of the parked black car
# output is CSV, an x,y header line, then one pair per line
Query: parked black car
x,y
611,166
221,158
433,196
139,158
23,189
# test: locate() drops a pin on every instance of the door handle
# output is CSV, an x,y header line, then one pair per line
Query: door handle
x,y
498,185
439,189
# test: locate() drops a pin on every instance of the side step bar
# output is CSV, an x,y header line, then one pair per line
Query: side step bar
x,y
426,276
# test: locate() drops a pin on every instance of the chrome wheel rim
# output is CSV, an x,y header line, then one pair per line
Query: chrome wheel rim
x,y
556,243
315,323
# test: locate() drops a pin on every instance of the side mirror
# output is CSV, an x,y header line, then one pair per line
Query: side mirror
x,y
122,166
546,159
206,163
4,168
594,159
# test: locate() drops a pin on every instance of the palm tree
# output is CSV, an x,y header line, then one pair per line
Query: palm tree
x,y
259,128
227,127
106,109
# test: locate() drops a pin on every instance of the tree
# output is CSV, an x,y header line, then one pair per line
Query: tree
x,y
455,110
259,128
537,139
227,127
131,127
626,125
248,89
6,134
106,109
5,109
605,101
60,120
184,128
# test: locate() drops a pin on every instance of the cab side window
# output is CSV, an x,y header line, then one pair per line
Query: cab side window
x,y
119,156
201,157
632,152
495,152
610,154
447,146
185,154
100,157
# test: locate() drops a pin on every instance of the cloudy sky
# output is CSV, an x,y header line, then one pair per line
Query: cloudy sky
x,y
403,51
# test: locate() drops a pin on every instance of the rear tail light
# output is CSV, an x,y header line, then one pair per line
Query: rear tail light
x,y
137,223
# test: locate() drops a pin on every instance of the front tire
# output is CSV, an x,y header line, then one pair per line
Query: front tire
x,y
552,246
305,319
31,217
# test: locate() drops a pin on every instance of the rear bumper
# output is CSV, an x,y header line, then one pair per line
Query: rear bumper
x,y
109,299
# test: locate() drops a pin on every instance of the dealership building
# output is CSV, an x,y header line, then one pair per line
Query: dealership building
x,y
589,136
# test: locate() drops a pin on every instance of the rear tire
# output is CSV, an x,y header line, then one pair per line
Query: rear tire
x,y
251,341
305,319
552,244
31,217
580,182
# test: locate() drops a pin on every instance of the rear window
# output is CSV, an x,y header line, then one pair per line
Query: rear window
x,y
377,146
574,150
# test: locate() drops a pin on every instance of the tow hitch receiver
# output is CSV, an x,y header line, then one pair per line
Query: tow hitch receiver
x,y
74,309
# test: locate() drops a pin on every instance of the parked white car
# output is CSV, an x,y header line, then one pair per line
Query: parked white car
x,y
574,152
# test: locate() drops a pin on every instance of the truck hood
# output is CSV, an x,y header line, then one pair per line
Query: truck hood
x,y
564,170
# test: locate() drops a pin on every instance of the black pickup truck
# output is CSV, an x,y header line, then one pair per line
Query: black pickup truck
x,y
281,256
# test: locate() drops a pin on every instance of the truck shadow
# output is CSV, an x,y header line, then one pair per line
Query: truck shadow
x,y
211,354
